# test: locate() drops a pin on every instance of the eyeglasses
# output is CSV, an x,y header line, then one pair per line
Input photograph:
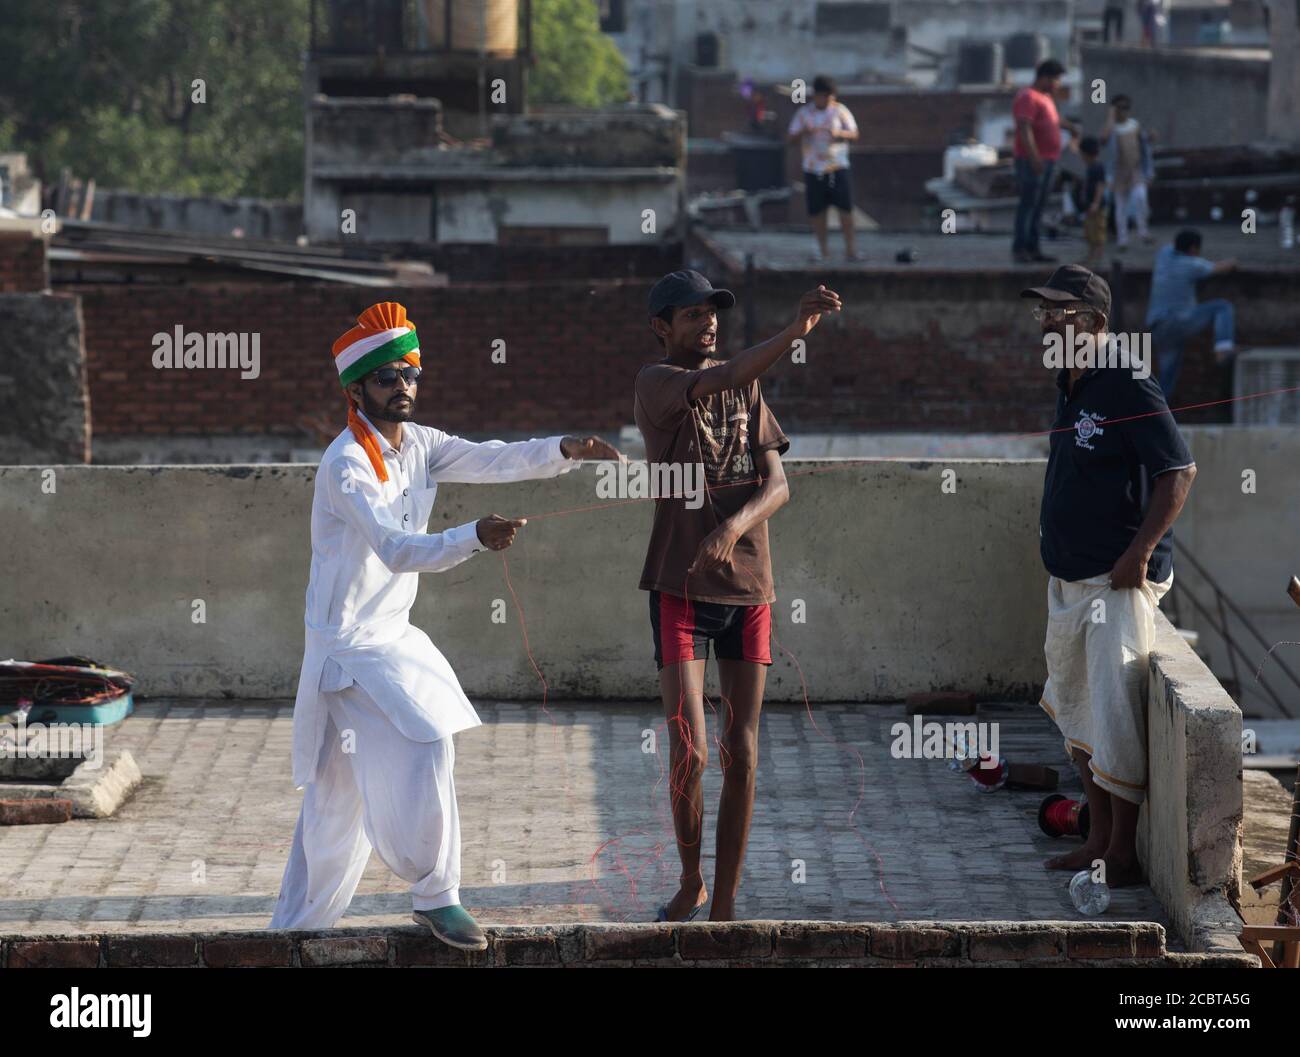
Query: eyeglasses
x,y
386,377
1052,312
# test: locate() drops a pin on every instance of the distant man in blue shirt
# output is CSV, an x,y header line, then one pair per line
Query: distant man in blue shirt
x,y
1118,473
1174,316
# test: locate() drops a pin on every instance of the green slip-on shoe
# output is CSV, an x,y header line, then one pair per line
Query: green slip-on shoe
x,y
454,926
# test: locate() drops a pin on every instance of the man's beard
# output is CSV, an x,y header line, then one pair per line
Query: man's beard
x,y
386,411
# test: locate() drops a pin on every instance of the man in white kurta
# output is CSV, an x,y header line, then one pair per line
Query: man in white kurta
x,y
377,703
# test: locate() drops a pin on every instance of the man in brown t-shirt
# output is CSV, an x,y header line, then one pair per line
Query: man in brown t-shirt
x,y
707,566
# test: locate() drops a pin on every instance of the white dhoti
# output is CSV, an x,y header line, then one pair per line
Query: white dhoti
x,y
1098,642
374,787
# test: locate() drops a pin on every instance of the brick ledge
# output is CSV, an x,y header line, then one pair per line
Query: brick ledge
x,y
741,943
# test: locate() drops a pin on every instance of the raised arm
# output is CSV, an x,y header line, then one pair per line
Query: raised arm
x,y
354,496
1103,137
746,366
456,460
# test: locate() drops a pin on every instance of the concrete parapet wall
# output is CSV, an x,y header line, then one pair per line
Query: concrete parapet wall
x,y
949,597
1190,831
257,218
1191,98
1245,539
374,132
635,136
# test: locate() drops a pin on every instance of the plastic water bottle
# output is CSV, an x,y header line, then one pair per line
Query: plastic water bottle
x,y
1286,221
1090,898
969,761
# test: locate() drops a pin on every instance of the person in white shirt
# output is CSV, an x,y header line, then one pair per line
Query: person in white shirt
x,y
824,129
1130,167
377,703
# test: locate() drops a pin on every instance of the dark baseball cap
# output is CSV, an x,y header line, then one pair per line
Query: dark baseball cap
x,y
1073,282
683,288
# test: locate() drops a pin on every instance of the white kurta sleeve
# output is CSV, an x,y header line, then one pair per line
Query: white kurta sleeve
x,y
456,460
354,496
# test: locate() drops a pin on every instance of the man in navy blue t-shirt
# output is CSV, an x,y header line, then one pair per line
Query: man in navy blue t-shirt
x,y
1118,474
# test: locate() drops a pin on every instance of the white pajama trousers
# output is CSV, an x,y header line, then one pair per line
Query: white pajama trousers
x,y
374,788
1130,203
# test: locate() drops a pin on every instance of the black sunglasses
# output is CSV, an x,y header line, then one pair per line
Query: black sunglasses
x,y
386,377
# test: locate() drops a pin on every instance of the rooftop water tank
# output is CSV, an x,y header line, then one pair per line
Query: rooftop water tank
x,y
492,25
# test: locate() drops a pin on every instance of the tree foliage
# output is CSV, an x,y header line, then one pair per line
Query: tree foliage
x,y
107,90
576,63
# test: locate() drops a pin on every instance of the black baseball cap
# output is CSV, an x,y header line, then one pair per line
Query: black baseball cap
x,y
1073,282
683,288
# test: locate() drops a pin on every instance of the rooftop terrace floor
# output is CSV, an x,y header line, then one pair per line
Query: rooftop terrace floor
x,y
564,818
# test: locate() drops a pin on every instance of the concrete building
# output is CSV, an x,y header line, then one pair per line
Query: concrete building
x,y
1284,73
419,131
20,191
775,41
556,178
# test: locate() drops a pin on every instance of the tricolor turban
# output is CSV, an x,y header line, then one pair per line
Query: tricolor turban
x,y
382,334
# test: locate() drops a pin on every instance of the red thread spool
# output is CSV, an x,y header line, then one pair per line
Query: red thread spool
x,y
1059,816
981,775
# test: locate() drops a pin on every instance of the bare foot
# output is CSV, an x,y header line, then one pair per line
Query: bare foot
x,y
688,897
717,912
1080,859
1122,873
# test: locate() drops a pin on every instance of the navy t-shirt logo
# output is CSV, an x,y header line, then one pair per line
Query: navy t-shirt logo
x,y
1087,428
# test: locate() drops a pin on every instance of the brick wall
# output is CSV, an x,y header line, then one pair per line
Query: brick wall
x,y
713,103
789,943
916,350
477,262
572,350
888,185
945,350
23,267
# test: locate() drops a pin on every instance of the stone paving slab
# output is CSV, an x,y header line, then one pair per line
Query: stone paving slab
x,y
564,819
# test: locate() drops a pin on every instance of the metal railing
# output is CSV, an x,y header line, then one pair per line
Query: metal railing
x,y
1216,616
397,27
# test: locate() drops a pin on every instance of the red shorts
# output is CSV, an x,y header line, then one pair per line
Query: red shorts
x,y
682,630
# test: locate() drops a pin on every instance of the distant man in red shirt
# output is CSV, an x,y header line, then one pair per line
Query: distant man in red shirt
x,y
1038,146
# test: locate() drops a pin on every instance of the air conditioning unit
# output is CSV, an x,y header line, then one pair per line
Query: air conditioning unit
x,y
1024,51
1267,371
979,62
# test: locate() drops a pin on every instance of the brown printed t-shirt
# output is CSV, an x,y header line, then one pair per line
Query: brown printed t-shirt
x,y
725,432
